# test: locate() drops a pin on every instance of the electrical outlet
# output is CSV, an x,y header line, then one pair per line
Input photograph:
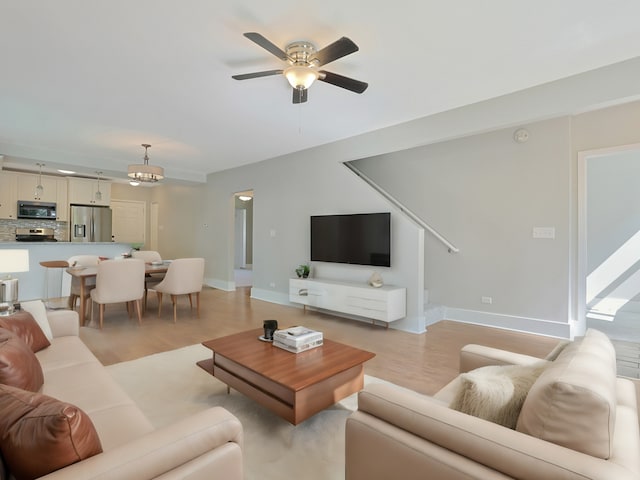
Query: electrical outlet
x,y
487,300
544,232
272,284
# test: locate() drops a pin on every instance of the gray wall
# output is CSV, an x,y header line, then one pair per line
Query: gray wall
x,y
481,189
180,221
486,193
288,191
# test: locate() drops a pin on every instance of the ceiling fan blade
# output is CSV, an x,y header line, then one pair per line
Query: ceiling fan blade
x,y
338,49
299,95
343,82
246,76
267,45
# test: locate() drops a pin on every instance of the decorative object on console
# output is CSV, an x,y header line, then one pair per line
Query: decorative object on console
x,y
303,271
11,261
145,172
375,280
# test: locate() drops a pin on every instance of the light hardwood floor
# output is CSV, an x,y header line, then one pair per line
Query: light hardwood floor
x,y
423,362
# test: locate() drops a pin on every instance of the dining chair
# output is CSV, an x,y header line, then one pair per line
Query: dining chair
x,y
150,279
119,281
184,277
90,283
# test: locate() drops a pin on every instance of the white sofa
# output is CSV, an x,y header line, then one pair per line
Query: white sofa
x,y
579,420
205,445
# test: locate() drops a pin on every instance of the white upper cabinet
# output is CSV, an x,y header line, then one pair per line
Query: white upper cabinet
x,y
8,195
82,191
27,190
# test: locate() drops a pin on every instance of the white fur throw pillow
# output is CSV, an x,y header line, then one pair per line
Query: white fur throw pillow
x,y
496,393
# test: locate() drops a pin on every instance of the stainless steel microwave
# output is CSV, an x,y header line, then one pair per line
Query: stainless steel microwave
x,y
38,210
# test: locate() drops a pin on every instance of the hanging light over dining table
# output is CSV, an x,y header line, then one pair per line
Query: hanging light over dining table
x,y
143,172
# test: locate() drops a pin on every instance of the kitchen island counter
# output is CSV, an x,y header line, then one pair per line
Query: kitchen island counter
x,y
31,284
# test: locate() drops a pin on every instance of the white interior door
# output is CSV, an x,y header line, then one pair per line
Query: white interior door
x,y
129,220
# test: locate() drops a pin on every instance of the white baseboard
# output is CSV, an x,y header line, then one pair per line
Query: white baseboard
x,y
270,296
227,286
509,322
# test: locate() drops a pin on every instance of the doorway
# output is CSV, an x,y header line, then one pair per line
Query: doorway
x,y
243,239
609,241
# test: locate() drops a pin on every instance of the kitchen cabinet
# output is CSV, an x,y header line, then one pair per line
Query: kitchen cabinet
x,y
61,200
8,195
27,184
82,191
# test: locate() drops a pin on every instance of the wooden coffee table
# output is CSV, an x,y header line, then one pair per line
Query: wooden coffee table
x,y
293,386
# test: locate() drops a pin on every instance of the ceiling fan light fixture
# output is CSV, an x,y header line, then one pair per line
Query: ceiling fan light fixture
x,y
301,77
145,172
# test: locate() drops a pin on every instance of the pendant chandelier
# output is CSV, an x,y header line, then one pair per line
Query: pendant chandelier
x,y
39,188
144,172
98,192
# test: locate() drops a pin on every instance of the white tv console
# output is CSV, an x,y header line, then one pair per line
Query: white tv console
x,y
386,303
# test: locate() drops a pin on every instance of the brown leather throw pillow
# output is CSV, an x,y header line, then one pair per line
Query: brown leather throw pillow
x,y
25,326
19,366
39,434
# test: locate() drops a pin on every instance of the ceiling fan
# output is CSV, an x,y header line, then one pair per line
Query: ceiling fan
x,y
304,62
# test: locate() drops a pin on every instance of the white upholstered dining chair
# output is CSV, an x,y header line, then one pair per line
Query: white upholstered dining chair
x,y
150,279
147,255
90,283
119,281
184,277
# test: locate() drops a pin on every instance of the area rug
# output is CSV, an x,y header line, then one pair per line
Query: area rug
x,y
169,386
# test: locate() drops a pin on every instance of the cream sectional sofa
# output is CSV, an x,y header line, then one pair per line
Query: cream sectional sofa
x,y
205,445
578,421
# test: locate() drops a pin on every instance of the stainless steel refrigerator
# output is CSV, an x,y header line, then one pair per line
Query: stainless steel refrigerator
x,y
90,224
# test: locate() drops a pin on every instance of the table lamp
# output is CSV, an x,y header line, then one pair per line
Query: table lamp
x,y
11,261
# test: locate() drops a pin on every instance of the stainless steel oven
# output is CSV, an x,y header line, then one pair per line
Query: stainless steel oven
x,y
37,210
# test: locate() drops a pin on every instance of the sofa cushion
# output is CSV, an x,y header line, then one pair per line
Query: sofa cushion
x,y
39,312
496,393
19,366
33,425
24,325
573,403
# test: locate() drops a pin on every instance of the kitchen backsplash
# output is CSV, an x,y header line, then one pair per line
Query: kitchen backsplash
x,y
8,228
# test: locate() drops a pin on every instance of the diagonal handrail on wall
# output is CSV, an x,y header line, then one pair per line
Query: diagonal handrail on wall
x,y
450,247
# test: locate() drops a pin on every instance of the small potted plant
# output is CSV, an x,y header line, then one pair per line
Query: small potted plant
x,y
303,271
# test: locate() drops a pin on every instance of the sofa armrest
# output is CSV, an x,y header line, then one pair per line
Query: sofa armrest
x,y
431,428
475,356
208,441
63,323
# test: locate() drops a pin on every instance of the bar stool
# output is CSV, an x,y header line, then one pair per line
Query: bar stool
x,y
48,265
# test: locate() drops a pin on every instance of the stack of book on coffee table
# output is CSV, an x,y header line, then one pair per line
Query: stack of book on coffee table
x,y
297,339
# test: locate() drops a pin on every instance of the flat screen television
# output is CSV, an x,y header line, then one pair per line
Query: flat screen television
x,y
358,239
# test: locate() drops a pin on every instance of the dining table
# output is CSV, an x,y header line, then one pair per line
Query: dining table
x,y
84,273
